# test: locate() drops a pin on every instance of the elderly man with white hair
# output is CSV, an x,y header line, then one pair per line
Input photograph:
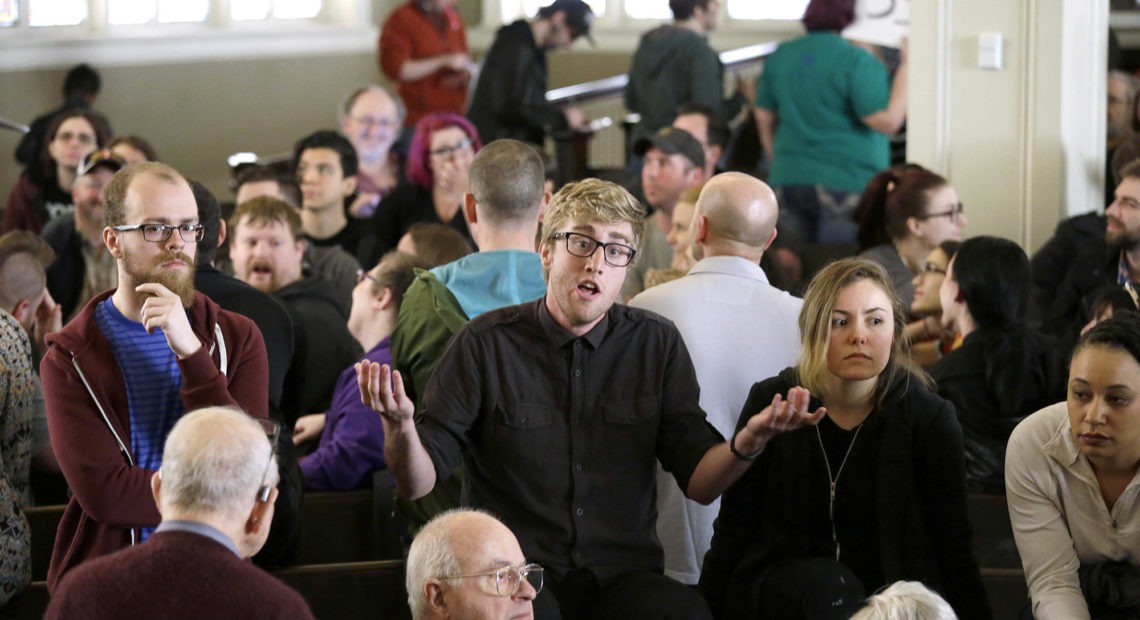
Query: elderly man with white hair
x,y
466,565
215,491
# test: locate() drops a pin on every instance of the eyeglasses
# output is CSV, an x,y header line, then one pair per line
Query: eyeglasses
x,y
446,151
157,233
584,246
373,121
508,579
362,275
67,136
930,267
953,214
272,432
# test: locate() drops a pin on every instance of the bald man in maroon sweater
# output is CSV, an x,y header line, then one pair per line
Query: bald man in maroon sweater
x,y
215,490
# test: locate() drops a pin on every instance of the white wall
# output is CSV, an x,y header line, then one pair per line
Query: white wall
x,y
1022,145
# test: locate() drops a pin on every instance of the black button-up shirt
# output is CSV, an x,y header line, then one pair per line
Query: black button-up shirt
x,y
561,434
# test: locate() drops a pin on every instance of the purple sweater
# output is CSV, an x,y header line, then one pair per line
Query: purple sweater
x,y
352,444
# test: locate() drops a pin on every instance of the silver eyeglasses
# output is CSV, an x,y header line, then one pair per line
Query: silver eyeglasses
x,y
508,579
584,246
157,233
272,432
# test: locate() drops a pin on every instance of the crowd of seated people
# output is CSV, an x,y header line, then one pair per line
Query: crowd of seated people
x,y
436,311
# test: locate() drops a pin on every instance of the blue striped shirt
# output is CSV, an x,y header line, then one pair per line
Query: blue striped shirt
x,y
153,380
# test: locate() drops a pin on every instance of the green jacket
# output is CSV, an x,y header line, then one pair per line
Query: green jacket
x,y
429,317
671,67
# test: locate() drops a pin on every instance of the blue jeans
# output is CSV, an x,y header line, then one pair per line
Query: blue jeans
x,y
816,214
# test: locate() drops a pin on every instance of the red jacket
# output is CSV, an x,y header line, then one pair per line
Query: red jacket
x,y
409,34
89,422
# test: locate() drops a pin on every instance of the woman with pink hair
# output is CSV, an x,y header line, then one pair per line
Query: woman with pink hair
x,y
442,148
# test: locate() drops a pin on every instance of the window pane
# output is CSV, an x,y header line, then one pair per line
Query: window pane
x,y
649,9
9,13
769,9
56,12
296,9
247,10
174,11
123,12
531,7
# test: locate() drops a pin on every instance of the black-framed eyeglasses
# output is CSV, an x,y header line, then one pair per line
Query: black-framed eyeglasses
x,y
272,432
508,579
157,233
954,213
445,151
584,246
362,275
930,267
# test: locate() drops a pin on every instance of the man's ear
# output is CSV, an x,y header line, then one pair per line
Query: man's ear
x,y
771,239
349,185
221,232
433,592
20,311
715,150
257,516
546,198
695,176
156,486
469,212
701,234
111,240
545,253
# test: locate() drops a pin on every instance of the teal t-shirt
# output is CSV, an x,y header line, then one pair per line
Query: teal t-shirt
x,y
819,87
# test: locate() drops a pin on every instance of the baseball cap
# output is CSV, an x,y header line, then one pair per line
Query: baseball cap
x,y
673,141
579,16
101,157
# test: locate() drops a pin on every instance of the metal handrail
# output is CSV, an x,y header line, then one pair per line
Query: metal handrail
x,y
731,59
13,125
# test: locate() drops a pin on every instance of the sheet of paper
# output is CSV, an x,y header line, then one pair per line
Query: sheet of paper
x,y
882,22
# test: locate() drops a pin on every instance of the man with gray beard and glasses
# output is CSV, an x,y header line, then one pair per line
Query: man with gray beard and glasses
x,y
118,376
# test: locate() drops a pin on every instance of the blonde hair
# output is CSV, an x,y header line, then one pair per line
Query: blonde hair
x,y
815,325
594,200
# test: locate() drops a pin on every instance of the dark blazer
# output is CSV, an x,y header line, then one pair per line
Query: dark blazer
x,y
919,502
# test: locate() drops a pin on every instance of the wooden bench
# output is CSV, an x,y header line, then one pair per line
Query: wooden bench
x,y
1006,590
43,521
27,605
347,591
350,526
337,527
993,534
